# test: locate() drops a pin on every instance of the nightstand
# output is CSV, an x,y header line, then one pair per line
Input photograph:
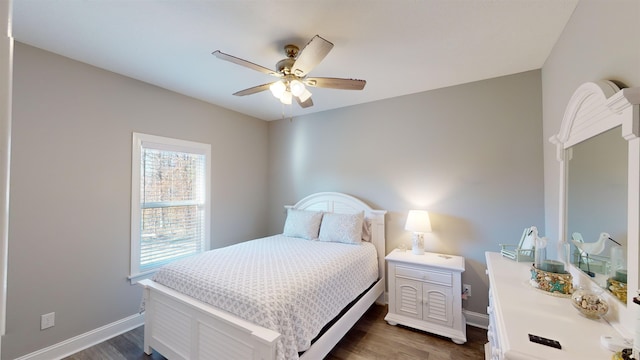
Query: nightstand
x,y
425,293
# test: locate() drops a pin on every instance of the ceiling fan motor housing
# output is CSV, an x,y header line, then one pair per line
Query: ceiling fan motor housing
x,y
284,66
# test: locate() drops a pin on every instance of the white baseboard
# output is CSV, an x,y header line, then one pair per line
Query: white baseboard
x,y
476,319
86,340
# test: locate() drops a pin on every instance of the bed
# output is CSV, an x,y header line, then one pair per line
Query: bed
x,y
181,323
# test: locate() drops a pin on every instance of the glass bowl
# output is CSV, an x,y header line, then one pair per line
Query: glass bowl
x,y
589,303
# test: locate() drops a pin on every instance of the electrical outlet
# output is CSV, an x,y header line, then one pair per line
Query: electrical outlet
x,y
47,320
466,290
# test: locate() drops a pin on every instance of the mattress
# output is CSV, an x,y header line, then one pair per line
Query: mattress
x,y
289,285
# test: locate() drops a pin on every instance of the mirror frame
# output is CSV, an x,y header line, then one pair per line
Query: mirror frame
x,y
594,108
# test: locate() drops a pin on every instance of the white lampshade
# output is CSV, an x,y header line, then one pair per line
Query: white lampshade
x,y
297,88
286,98
418,221
278,88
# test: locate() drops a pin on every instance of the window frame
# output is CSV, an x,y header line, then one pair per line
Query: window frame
x,y
141,141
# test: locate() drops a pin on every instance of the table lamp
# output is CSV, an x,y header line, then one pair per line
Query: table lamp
x,y
418,222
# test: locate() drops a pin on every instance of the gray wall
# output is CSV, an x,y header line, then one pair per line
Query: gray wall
x,y
69,225
599,42
470,154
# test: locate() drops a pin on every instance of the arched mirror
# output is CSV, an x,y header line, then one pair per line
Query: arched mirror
x,y
599,153
596,204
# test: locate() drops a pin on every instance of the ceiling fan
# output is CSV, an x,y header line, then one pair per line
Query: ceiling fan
x,y
293,72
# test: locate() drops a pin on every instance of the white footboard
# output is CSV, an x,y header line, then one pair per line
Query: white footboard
x,y
180,327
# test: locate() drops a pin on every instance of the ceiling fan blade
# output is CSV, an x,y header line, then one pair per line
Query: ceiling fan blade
x,y
336,83
311,55
245,63
253,90
304,104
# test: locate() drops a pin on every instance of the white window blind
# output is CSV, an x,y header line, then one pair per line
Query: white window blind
x,y
170,209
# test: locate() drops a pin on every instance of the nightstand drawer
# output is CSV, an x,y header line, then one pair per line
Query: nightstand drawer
x,y
432,276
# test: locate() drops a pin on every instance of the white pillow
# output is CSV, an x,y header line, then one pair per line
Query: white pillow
x,y
344,228
302,224
366,230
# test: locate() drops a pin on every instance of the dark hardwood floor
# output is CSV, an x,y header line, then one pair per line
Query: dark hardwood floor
x,y
371,338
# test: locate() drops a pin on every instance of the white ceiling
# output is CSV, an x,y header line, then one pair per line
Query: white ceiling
x,y
399,46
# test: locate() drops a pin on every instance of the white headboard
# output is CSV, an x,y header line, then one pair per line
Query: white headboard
x,y
347,204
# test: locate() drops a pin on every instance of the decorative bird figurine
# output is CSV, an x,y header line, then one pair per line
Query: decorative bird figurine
x,y
593,248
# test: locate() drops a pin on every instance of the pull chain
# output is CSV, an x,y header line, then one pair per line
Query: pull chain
x,y
283,112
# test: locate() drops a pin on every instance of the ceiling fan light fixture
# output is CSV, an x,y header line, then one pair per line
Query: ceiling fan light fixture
x,y
278,88
297,88
306,94
286,98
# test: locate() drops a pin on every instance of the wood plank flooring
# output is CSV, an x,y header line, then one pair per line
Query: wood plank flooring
x,y
370,338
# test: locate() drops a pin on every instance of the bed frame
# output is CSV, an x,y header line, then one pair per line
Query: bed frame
x,y
181,327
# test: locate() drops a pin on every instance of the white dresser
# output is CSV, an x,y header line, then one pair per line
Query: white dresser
x,y
516,309
425,293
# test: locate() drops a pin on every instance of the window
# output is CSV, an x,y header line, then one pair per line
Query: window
x,y
170,206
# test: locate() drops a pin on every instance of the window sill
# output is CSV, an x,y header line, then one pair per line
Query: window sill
x,y
141,276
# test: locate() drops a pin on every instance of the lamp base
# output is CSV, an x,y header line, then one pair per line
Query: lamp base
x,y
417,242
